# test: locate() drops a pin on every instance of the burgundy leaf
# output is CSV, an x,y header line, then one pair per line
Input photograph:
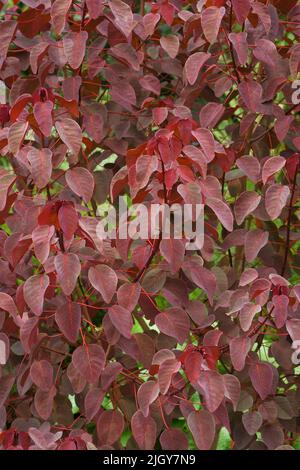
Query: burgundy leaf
x,y
41,373
275,199
128,295
43,114
252,421
34,292
146,395
8,28
41,166
245,204
59,12
222,212
74,47
121,319
272,166
174,322
165,374
110,426
68,268
211,383
170,44
43,402
193,66
104,280
232,389
173,439
123,16
81,181
41,237
89,360
173,250
70,133
254,242
143,430
203,428
210,21
239,348
68,319
262,378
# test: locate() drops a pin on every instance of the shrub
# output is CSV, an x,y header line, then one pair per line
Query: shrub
x,y
133,343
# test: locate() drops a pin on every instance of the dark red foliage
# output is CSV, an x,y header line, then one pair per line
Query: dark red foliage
x,y
142,343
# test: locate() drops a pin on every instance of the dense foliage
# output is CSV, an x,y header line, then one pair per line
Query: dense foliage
x,y
132,343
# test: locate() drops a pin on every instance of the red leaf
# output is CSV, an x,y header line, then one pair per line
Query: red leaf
x,y
222,212
241,9
7,304
246,203
211,21
252,421
203,278
89,360
41,373
275,200
193,66
250,166
146,395
251,93
6,383
34,292
121,319
192,365
206,141
272,166
128,295
43,402
254,242
143,430
92,402
170,44
173,439
123,16
41,166
173,250
104,280
247,313
239,42
41,237
16,135
203,428
81,181
211,114
261,376
74,47
68,268
6,34
232,389
211,383
239,348
43,115
68,220
68,319
174,322
6,182
165,374
280,311
110,426
71,134
59,12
